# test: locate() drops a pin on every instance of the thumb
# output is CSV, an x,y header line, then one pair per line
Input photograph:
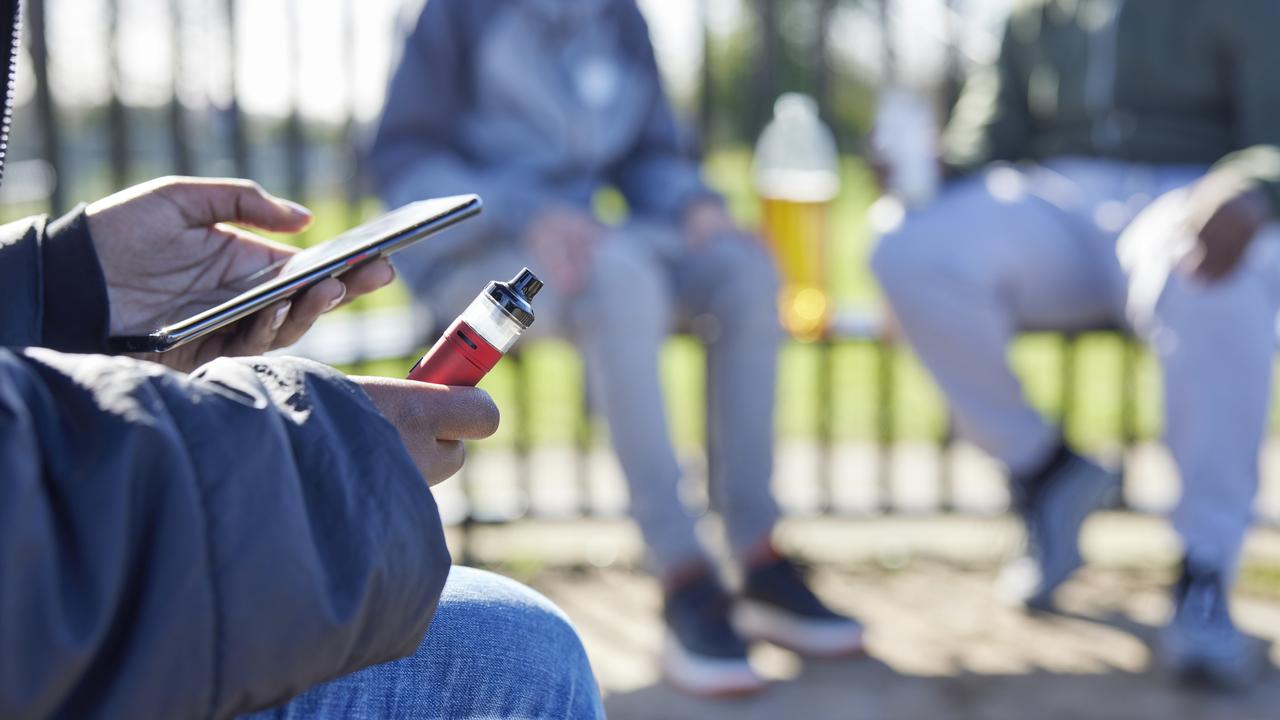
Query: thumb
x,y
206,201
434,411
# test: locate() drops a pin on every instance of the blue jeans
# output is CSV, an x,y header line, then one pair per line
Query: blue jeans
x,y
496,649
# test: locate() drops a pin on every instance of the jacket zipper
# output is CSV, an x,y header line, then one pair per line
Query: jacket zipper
x,y
10,79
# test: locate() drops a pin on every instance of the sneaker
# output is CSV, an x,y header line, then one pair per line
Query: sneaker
x,y
777,606
1201,645
702,654
1053,509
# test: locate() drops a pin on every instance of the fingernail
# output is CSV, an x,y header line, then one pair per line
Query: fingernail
x,y
282,312
391,273
295,208
334,302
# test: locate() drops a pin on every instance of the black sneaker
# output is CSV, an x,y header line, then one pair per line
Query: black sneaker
x,y
1053,509
777,606
1201,644
702,654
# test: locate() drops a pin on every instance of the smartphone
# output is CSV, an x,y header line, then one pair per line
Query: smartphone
x,y
380,237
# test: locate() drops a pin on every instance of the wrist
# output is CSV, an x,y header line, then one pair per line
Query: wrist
x,y
76,314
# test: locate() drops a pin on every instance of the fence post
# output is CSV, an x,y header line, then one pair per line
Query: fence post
x,y
233,115
179,141
884,422
706,95
117,120
764,88
826,348
1067,380
1128,405
953,77
888,53
523,411
295,151
822,62
946,467
355,184
584,439
45,111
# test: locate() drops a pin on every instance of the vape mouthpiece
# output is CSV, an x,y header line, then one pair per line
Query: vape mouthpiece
x,y
513,297
526,284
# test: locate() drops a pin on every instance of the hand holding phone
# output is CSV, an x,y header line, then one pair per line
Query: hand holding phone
x,y
180,276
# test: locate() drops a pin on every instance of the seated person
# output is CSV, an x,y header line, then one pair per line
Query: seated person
x,y
535,105
1119,162
214,543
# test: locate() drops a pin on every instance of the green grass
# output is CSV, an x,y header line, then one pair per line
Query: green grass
x,y
553,371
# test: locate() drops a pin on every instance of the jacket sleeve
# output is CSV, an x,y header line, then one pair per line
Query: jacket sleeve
x,y
413,154
1248,41
658,177
992,120
202,546
52,292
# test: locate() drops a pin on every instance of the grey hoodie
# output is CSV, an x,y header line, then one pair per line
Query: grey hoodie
x,y
528,103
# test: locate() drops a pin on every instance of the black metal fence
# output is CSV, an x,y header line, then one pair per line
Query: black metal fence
x,y
62,154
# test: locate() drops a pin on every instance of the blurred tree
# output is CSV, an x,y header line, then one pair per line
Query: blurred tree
x,y
745,67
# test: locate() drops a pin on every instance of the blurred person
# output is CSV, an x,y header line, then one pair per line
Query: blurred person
x,y
1119,162
536,105
190,541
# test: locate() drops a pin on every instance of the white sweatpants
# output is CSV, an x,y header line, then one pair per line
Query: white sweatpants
x,y
1077,243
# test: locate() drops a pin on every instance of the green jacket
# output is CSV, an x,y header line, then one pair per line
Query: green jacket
x,y
1147,81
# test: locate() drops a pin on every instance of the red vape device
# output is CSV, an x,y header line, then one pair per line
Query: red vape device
x,y
482,334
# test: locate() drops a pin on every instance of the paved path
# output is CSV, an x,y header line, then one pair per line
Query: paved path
x,y
940,645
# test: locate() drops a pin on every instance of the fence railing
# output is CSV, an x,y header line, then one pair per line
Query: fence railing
x,y
63,153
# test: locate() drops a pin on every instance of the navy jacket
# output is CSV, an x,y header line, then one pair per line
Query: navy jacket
x,y
177,546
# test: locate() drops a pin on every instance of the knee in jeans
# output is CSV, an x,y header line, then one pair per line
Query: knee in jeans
x,y
627,288
747,278
743,283
507,627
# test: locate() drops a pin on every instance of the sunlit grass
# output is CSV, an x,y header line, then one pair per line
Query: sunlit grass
x,y
552,371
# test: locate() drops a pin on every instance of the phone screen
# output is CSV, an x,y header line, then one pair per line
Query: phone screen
x,y
377,238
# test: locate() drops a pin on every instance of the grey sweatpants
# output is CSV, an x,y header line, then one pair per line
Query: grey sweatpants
x,y
1075,243
645,280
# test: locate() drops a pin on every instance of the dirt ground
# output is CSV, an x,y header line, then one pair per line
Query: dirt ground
x,y
940,646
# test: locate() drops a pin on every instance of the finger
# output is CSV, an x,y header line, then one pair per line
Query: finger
x,y
447,459
1225,263
206,201
465,413
1201,259
258,333
244,259
367,278
1189,264
1214,262
445,413
307,307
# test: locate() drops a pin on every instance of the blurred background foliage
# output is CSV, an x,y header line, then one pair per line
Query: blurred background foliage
x,y
112,92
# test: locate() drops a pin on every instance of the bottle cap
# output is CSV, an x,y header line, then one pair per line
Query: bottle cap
x,y
515,297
